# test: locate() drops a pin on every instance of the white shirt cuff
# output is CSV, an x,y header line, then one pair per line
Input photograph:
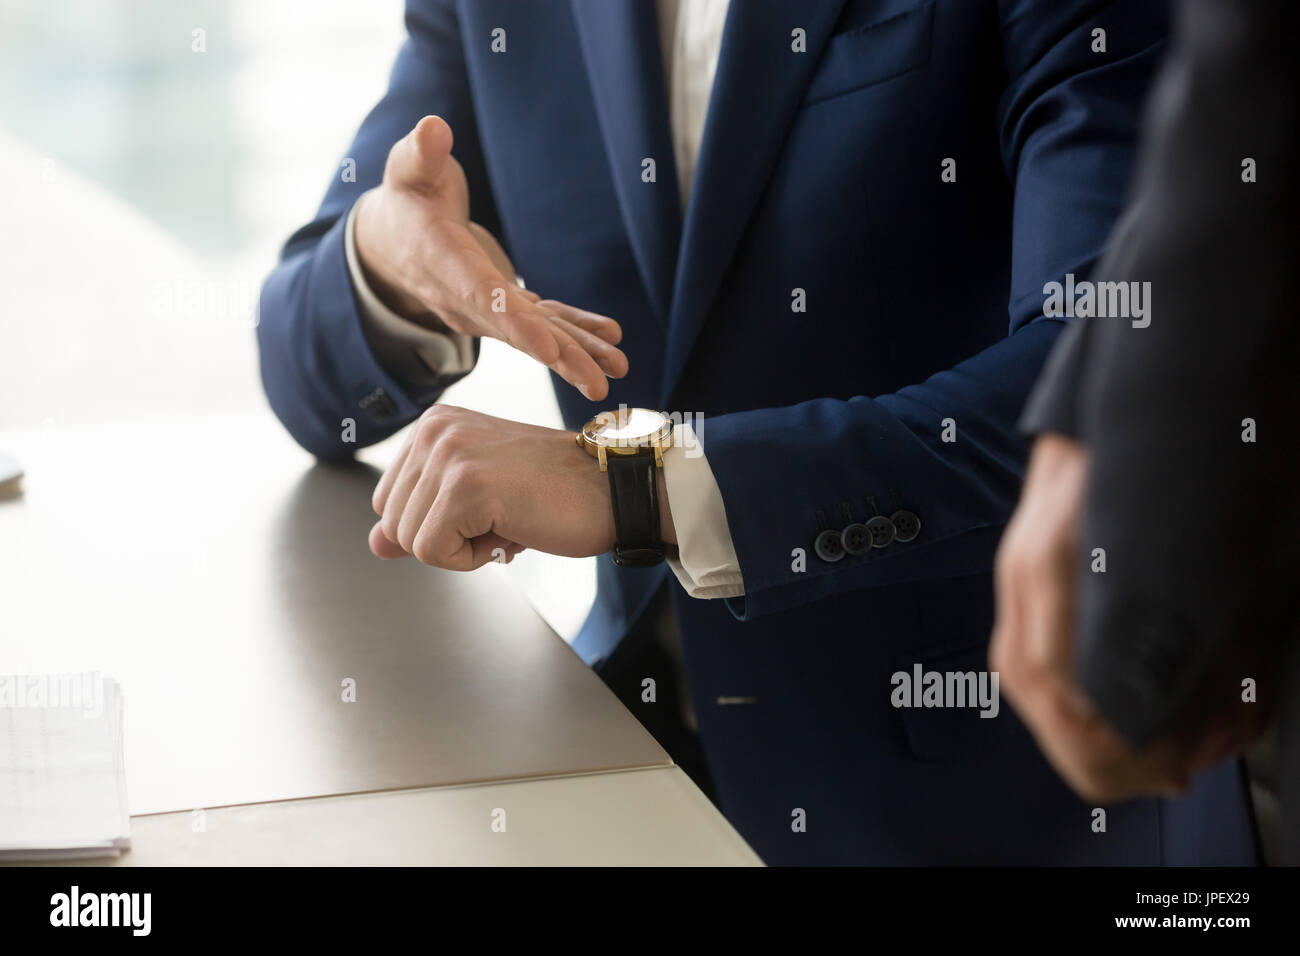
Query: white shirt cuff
x,y
706,563
444,353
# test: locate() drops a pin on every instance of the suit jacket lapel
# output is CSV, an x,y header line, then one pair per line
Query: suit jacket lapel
x,y
756,92
620,44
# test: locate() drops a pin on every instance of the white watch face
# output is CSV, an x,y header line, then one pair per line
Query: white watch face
x,y
628,428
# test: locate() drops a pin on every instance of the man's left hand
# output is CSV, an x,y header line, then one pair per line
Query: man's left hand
x,y
468,488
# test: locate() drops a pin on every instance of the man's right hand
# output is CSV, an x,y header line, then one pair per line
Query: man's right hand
x,y
1033,651
429,263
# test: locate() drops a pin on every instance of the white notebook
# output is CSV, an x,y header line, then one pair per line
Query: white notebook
x,y
62,778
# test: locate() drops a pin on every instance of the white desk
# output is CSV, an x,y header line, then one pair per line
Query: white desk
x,y
653,817
226,582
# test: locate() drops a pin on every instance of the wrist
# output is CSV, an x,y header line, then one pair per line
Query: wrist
x,y
368,232
627,445
667,532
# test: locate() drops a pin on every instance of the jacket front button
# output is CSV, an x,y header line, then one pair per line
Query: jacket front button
x,y
828,546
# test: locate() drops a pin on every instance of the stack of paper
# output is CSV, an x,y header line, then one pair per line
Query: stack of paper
x,y
62,779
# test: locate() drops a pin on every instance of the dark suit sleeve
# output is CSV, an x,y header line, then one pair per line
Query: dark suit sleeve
x,y
1192,420
1053,405
1068,121
319,368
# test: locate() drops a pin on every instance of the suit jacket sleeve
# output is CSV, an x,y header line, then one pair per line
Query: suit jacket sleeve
x,y
1054,403
321,366
1192,420
1068,122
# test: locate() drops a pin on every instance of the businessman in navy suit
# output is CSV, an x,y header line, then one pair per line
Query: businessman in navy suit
x,y
825,229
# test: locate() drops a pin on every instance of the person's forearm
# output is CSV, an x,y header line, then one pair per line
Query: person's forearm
x,y
944,454
321,374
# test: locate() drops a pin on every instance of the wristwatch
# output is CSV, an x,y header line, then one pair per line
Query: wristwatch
x,y
629,445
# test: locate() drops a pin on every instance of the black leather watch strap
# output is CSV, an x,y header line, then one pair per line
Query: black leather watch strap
x,y
635,496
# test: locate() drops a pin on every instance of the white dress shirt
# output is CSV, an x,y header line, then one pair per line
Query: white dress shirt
x,y
690,35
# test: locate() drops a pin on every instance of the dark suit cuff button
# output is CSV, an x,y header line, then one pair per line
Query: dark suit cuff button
x,y
882,531
379,406
855,538
906,525
828,546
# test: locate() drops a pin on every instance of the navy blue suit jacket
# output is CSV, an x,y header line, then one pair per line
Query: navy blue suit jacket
x,y
820,171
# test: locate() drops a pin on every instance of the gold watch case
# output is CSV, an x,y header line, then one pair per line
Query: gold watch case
x,y
626,431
